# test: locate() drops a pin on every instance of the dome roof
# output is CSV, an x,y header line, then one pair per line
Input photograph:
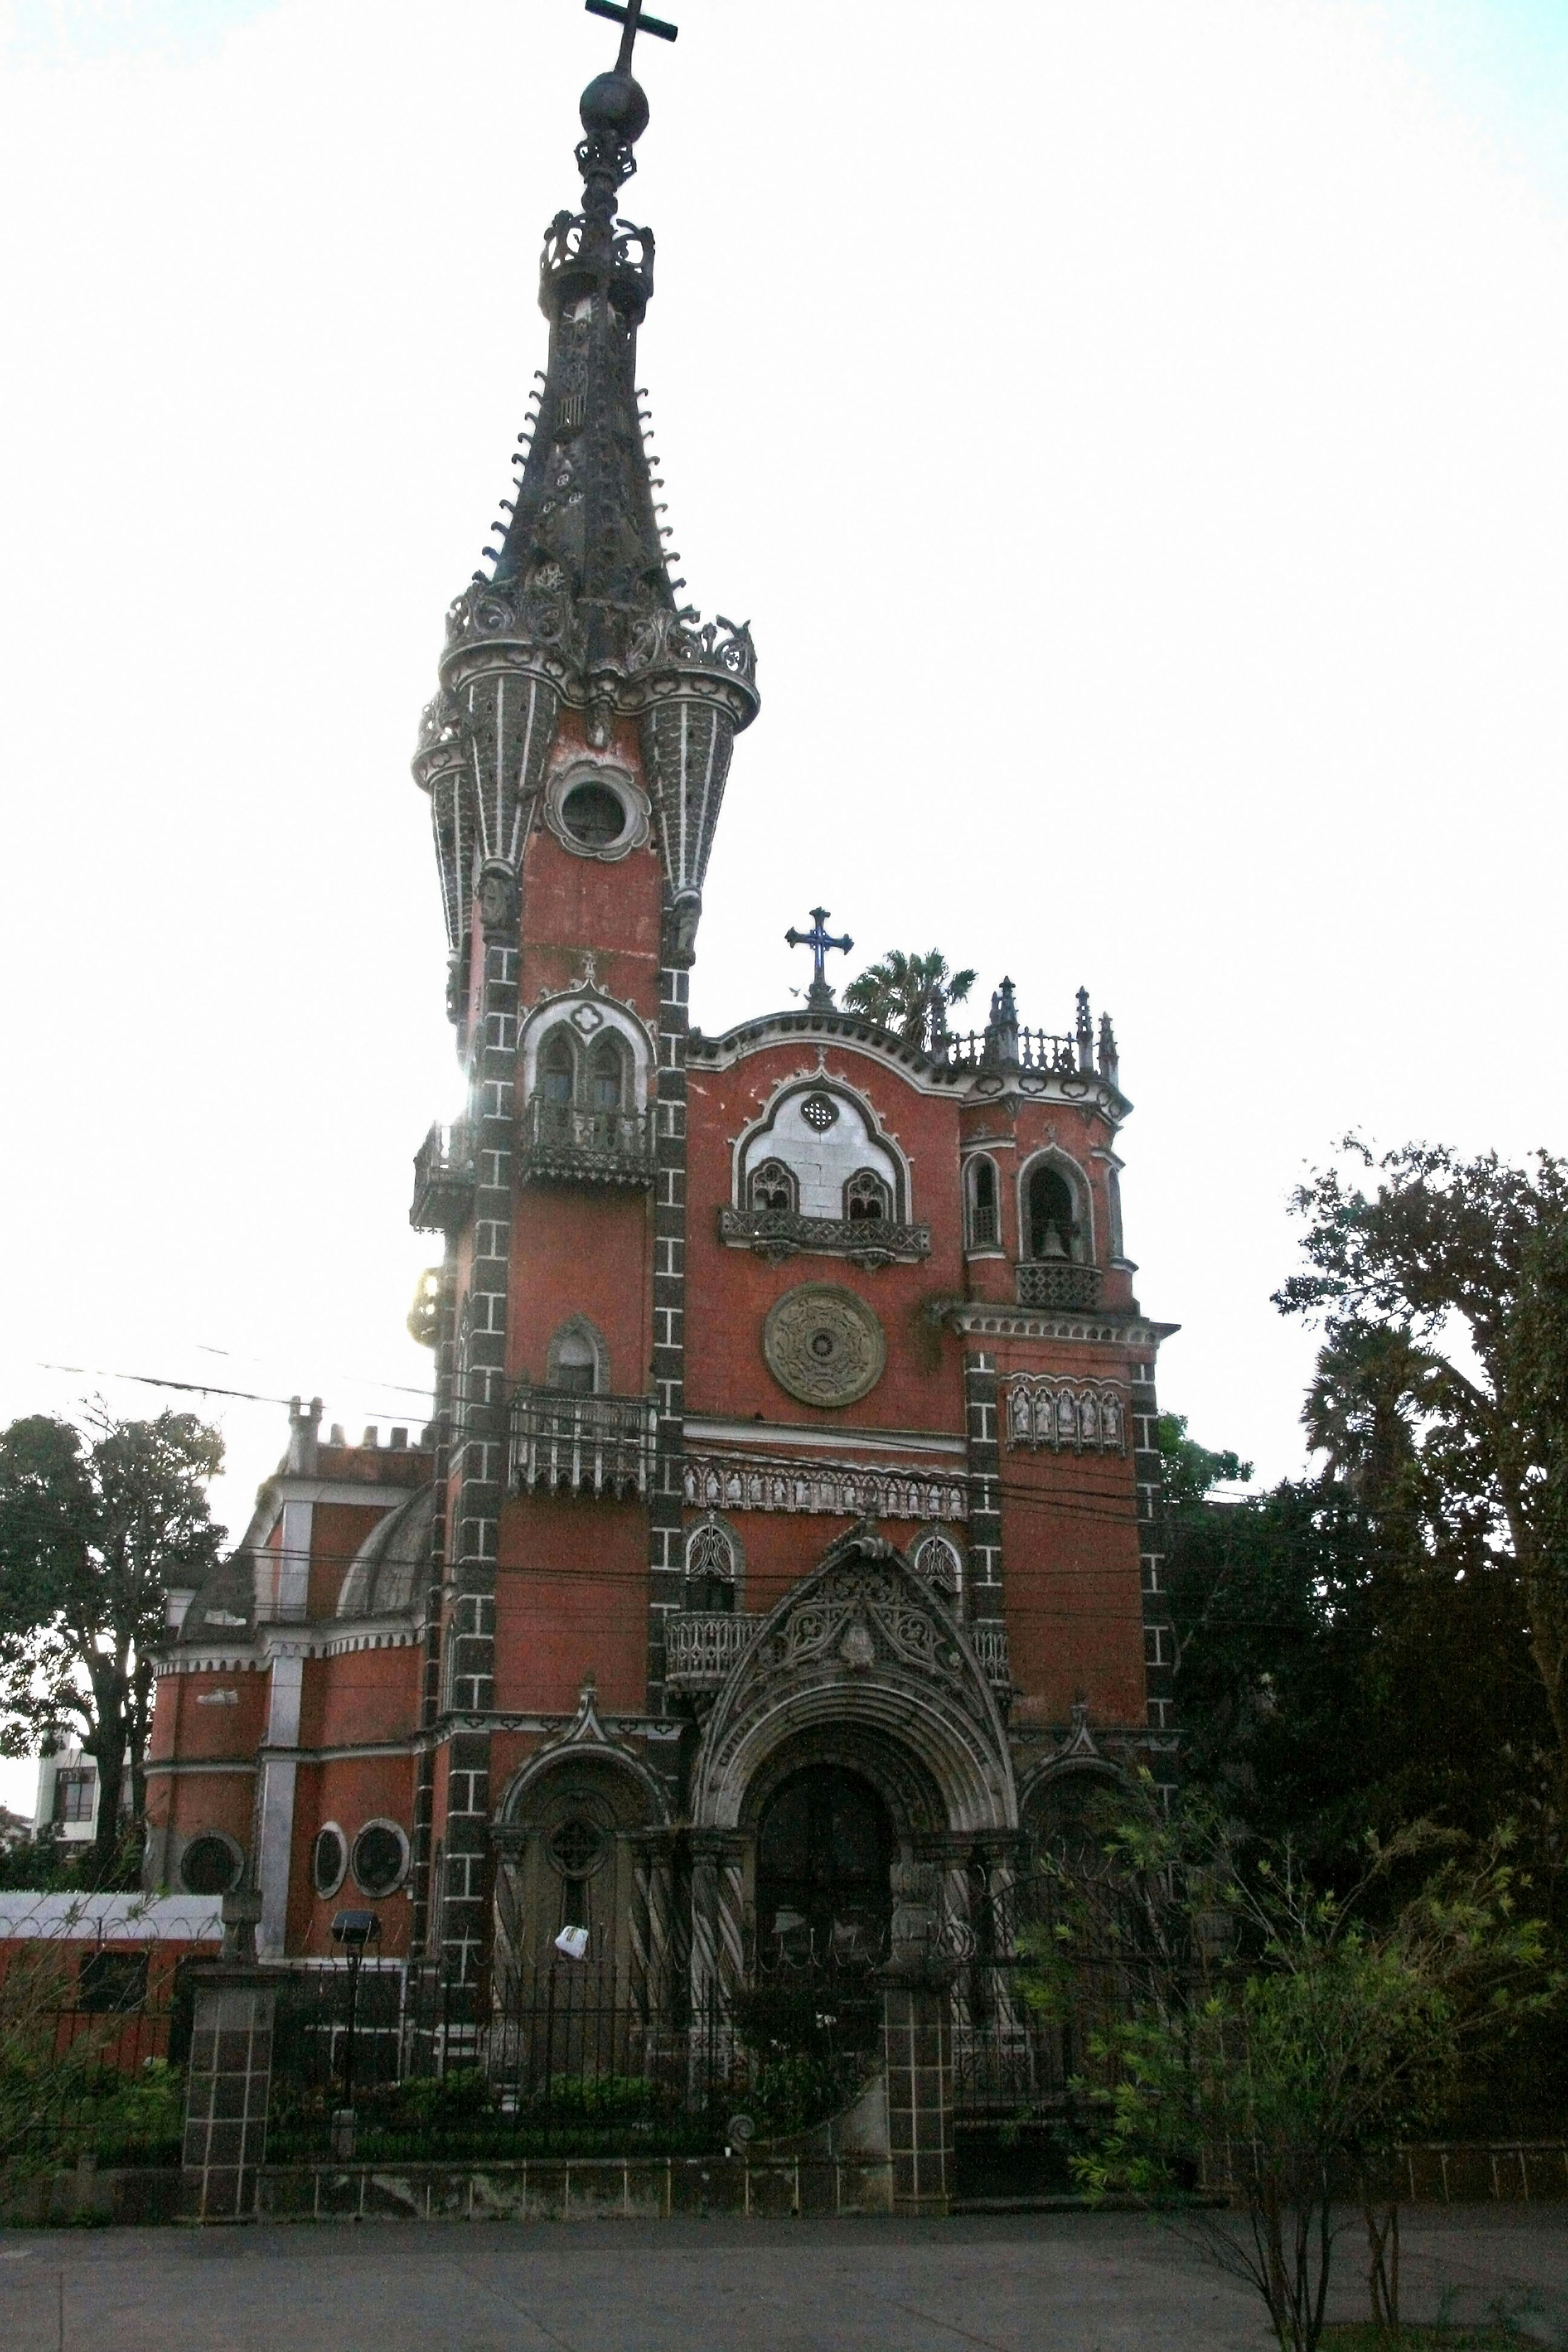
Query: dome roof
x,y
389,1570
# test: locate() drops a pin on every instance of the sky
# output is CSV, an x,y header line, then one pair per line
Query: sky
x,y
1135,434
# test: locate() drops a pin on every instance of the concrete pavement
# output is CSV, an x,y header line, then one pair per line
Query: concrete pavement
x,y
1071,2282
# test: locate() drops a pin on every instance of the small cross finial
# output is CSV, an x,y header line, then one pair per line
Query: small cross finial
x,y
818,996
633,21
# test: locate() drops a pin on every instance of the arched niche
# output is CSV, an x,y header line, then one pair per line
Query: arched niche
x,y
821,1135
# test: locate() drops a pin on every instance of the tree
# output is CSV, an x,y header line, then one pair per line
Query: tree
x,y
909,994
1444,1294
91,1536
1284,2038
1323,1630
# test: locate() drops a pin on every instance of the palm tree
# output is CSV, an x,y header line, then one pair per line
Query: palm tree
x,y
909,995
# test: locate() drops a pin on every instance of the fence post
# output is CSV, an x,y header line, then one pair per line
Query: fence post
x,y
227,2088
917,2043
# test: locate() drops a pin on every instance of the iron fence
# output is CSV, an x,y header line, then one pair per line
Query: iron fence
x,y
560,2060
103,2076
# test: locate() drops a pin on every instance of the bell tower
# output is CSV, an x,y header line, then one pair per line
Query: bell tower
x,y
575,758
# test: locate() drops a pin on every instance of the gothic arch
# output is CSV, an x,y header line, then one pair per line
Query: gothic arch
x,y
822,1158
862,1653
585,1014
568,1344
1076,1178
982,1203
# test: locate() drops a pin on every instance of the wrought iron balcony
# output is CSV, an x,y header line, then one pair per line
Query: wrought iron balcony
x,y
443,1181
990,1649
701,1651
866,1241
595,1446
1057,1282
561,1144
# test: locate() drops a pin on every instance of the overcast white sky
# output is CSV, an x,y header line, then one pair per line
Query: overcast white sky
x,y
1134,433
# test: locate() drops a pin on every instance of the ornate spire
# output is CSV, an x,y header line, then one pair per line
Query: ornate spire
x,y
580,608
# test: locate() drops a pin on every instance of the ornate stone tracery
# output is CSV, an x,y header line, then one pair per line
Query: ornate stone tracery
x,y
865,1646
823,1345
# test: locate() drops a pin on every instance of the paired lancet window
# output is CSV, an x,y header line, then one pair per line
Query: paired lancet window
x,y
712,1569
867,1195
597,1077
772,1186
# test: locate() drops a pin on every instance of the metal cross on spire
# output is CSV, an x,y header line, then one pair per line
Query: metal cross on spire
x,y
818,996
634,22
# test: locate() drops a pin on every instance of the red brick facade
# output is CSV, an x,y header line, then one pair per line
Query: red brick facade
x,y
793,1409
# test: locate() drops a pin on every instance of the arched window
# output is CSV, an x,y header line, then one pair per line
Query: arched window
x,y
772,1186
557,1067
1053,1224
576,1360
711,1569
607,1074
937,1560
866,1194
984,1211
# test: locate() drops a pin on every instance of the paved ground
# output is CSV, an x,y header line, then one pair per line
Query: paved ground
x,y
1051,2283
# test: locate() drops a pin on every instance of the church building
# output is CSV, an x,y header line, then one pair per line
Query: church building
x,y
784,1532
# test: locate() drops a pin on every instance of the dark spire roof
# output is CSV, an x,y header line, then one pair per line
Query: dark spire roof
x,y
584,500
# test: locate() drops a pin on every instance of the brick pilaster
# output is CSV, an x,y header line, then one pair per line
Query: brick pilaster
x,y
665,1501
982,1433
480,1449
1158,1633
421,1891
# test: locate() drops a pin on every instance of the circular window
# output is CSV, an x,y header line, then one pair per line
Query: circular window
x,y
380,1858
819,1111
593,814
329,1860
210,1864
577,1848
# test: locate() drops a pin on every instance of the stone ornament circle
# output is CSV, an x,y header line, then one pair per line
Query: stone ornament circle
x,y
823,1345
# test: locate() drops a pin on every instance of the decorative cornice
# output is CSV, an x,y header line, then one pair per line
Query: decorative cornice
x,y
980,1317
855,1490
1081,1090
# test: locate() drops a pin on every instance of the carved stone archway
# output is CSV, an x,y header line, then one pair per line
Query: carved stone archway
x,y
863,1647
582,1839
863,1667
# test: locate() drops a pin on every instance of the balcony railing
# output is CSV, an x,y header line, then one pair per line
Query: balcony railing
x,y
1031,1049
443,1181
561,1144
780,1233
990,1649
1057,1282
701,1651
595,1446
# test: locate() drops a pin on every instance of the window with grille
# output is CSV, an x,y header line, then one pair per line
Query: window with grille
x,y
711,1569
866,1195
772,1187
984,1213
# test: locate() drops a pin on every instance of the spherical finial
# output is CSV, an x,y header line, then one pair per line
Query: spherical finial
x,y
614,106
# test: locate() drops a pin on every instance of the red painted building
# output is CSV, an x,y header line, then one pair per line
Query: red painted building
x,y
788,1505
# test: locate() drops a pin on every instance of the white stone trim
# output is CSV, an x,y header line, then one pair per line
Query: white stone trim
x,y
612,1013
